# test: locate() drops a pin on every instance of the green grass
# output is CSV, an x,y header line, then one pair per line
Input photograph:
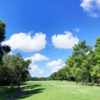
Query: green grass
x,y
6,88
5,92
60,90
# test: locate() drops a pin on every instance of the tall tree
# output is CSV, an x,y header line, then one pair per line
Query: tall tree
x,y
97,55
89,65
76,60
5,48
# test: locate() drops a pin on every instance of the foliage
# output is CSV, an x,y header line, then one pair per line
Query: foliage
x,y
14,69
37,79
61,75
83,66
3,48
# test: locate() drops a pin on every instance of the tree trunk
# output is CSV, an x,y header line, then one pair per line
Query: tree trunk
x,y
18,86
82,82
93,84
86,83
76,82
98,83
11,86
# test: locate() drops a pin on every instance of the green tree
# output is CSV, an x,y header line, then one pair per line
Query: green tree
x,y
97,56
4,48
17,69
89,66
76,61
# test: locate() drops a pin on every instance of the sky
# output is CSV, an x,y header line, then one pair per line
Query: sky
x,y
45,31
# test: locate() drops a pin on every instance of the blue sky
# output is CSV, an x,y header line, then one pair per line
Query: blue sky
x,y
45,30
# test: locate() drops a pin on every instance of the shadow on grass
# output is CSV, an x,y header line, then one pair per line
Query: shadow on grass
x,y
4,88
33,86
89,84
34,89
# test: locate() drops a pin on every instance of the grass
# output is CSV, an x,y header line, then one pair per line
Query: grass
x,y
6,88
59,90
6,95
5,92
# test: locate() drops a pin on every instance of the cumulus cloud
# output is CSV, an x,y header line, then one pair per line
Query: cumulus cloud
x,y
55,65
34,58
37,57
64,41
36,68
33,67
92,7
26,42
41,71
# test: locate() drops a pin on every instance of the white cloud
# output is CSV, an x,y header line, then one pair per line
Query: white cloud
x,y
55,69
92,7
64,41
37,57
55,65
41,71
33,67
26,42
36,68
76,29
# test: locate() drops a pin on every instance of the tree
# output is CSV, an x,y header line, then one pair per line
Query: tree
x,y
4,48
89,66
75,62
17,69
97,56
22,69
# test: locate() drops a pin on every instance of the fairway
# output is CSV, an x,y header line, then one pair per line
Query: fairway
x,y
59,90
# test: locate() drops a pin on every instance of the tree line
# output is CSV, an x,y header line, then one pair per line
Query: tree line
x,y
82,66
37,78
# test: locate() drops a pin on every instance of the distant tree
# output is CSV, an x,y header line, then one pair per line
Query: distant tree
x,y
59,75
37,79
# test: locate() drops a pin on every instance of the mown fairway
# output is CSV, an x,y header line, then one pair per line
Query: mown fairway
x,y
60,90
